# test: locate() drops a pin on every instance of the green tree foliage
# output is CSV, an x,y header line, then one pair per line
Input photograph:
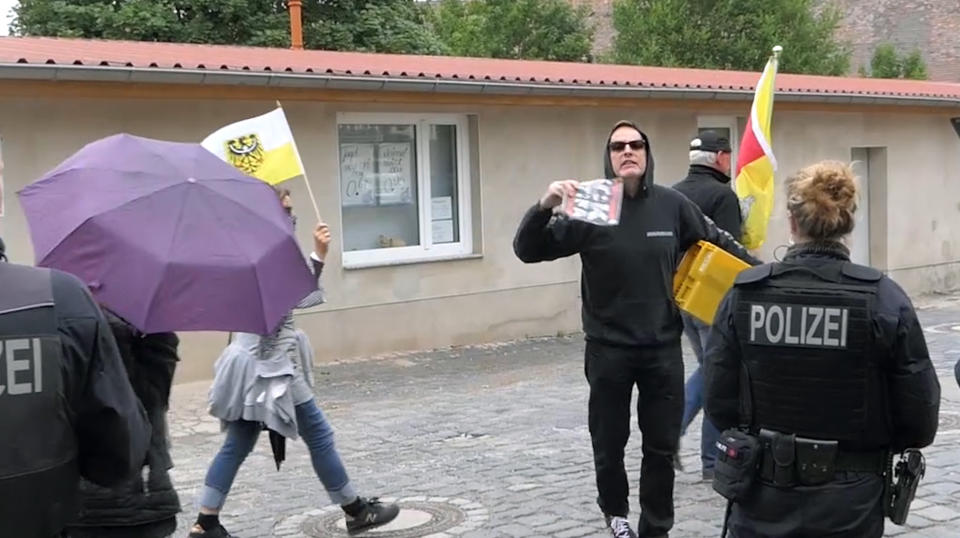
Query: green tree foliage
x,y
365,25
519,29
913,66
370,25
887,63
729,34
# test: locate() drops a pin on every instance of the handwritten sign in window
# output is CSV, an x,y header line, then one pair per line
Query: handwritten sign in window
x,y
357,175
395,173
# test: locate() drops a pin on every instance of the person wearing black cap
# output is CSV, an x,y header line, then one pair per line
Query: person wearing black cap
x,y
707,185
708,181
631,321
66,406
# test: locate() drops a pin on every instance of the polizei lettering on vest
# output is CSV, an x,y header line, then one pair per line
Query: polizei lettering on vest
x,y
799,325
21,367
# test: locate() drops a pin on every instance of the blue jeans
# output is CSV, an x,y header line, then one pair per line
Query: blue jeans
x,y
242,435
696,332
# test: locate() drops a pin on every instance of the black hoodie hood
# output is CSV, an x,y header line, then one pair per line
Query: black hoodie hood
x,y
647,180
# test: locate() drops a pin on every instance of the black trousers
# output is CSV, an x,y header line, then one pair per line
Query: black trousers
x,y
851,506
657,372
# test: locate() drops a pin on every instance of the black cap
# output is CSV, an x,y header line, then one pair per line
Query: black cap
x,y
710,141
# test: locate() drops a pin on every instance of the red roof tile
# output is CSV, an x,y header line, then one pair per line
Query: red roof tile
x,y
147,55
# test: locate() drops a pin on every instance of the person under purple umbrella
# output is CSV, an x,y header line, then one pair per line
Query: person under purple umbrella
x,y
264,382
171,238
168,236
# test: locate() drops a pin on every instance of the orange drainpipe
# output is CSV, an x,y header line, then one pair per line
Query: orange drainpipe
x,y
296,27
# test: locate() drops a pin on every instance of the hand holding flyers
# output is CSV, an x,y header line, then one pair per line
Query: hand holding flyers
x,y
597,202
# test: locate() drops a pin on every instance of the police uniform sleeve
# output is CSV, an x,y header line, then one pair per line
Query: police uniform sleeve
x,y
914,388
113,432
721,365
542,238
695,226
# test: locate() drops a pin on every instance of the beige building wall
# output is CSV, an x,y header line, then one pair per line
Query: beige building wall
x,y
494,296
922,184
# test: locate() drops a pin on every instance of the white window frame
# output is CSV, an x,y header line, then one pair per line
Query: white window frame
x,y
724,122
426,251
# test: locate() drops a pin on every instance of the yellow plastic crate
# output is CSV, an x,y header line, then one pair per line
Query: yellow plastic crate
x,y
705,275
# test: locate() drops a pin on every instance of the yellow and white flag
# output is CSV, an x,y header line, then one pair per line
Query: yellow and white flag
x,y
261,147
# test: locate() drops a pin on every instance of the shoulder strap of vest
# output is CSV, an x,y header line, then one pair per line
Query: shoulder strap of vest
x,y
861,272
746,398
24,287
757,273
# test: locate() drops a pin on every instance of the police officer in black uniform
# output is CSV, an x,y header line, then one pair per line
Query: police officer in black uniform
x,y
66,406
825,364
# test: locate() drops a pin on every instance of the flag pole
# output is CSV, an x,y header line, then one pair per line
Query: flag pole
x,y
313,199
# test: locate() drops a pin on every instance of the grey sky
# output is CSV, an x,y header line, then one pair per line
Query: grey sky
x,y
5,16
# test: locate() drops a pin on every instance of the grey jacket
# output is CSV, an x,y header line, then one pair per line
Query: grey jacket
x,y
262,378
251,387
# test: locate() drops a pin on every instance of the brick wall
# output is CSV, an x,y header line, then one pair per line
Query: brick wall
x,y
933,26
602,19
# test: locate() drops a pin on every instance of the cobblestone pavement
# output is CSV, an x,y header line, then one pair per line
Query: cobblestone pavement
x,y
500,429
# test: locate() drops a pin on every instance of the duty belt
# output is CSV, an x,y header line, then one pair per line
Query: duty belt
x,y
787,460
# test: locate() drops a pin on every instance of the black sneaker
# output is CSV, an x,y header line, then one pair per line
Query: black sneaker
x,y
620,527
218,532
374,514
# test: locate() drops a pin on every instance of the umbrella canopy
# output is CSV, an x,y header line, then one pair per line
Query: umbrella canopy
x,y
278,445
168,236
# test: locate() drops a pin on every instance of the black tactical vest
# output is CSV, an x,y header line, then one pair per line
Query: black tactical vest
x,y
38,449
809,346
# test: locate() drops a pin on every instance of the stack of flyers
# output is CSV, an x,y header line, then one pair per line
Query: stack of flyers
x,y
597,202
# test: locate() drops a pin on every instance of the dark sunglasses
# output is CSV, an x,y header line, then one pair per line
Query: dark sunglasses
x,y
634,145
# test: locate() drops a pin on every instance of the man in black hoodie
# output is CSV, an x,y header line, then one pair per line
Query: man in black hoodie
x,y
631,322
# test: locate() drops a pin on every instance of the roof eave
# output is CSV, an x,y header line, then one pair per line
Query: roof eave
x,y
364,82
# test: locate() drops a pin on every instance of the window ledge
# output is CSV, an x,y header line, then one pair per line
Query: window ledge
x,y
411,261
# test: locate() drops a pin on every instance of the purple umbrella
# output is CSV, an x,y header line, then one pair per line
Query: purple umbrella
x,y
168,236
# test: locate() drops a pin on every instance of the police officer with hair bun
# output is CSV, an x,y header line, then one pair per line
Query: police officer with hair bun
x,y
66,406
816,371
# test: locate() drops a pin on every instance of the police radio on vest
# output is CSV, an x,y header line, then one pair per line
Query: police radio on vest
x,y
799,325
19,358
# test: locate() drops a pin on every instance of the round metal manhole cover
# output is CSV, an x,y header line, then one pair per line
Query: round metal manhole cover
x,y
950,327
949,421
419,516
